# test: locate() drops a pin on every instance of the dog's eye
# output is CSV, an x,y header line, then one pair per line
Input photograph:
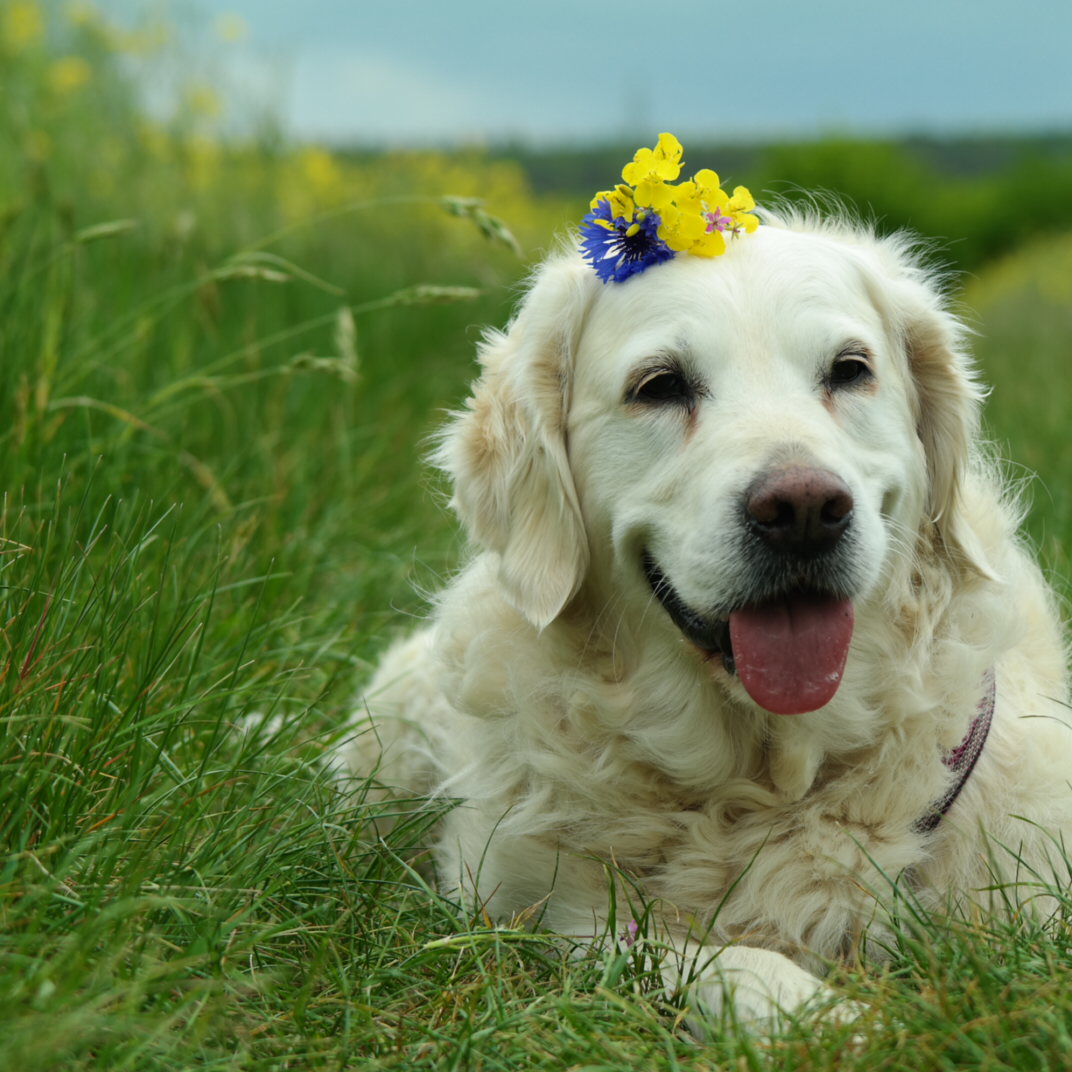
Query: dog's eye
x,y
849,370
664,386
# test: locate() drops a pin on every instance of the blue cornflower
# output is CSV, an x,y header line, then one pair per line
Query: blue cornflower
x,y
618,248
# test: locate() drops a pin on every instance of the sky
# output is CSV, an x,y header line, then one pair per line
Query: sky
x,y
397,72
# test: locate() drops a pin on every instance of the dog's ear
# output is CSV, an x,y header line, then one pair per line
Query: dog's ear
x,y
506,452
948,400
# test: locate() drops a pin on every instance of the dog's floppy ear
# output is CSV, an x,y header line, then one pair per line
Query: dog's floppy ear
x,y
948,401
506,452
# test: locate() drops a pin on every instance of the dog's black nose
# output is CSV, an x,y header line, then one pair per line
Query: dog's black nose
x,y
799,509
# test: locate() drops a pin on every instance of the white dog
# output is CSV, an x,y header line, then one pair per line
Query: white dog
x,y
745,605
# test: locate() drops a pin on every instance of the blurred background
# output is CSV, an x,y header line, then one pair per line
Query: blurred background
x,y
568,72
905,109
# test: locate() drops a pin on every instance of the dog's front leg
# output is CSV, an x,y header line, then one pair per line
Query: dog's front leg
x,y
744,985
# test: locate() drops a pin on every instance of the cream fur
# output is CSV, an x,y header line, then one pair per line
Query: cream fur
x,y
584,738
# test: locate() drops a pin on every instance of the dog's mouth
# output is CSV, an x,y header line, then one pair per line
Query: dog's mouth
x,y
789,651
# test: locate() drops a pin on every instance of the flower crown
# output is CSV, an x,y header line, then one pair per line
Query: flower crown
x,y
646,220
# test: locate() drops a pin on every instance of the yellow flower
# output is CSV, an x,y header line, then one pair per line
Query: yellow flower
x,y
652,194
23,23
661,164
652,169
686,223
708,184
707,213
648,219
321,173
742,200
620,200
683,224
710,244
203,159
69,73
740,207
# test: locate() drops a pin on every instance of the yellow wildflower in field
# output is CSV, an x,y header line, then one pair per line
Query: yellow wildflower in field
x,y
1039,272
68,74
203,158
23,23
321,173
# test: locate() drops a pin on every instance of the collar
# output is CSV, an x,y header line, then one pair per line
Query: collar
x,y
962,759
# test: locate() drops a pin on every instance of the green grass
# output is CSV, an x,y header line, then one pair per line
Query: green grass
x,y
213,516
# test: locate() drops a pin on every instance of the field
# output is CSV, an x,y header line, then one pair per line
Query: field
x,y
220,361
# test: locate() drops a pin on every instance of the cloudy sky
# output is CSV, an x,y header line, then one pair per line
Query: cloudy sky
x,y
443,71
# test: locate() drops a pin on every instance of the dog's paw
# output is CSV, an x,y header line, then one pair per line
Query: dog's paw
x,y
757,989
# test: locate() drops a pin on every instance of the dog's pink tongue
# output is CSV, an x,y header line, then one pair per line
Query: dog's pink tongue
x,y
790,654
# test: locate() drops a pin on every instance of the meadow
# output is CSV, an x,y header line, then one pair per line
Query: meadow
x,y
220,360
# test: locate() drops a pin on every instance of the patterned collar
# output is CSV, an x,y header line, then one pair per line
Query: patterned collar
x,y
962,759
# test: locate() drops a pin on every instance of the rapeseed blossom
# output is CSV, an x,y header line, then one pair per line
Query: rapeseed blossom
x,y
68,74
652,169
23,23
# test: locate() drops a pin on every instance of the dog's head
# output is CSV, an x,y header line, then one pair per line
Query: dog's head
x,y
761,440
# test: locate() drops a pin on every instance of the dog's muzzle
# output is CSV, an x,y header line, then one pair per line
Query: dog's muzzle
x,y
788,636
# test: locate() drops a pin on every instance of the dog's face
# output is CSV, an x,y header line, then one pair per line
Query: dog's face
x,y
743,442
740,449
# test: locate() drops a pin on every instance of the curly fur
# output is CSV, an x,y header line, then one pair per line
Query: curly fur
x,y
583,736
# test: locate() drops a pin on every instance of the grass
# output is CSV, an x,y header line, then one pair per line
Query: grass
x,y
217,378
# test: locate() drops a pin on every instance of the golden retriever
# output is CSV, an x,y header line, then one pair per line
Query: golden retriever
x,y
747,607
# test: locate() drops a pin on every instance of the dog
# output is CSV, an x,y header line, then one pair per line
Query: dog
x,y
748,647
